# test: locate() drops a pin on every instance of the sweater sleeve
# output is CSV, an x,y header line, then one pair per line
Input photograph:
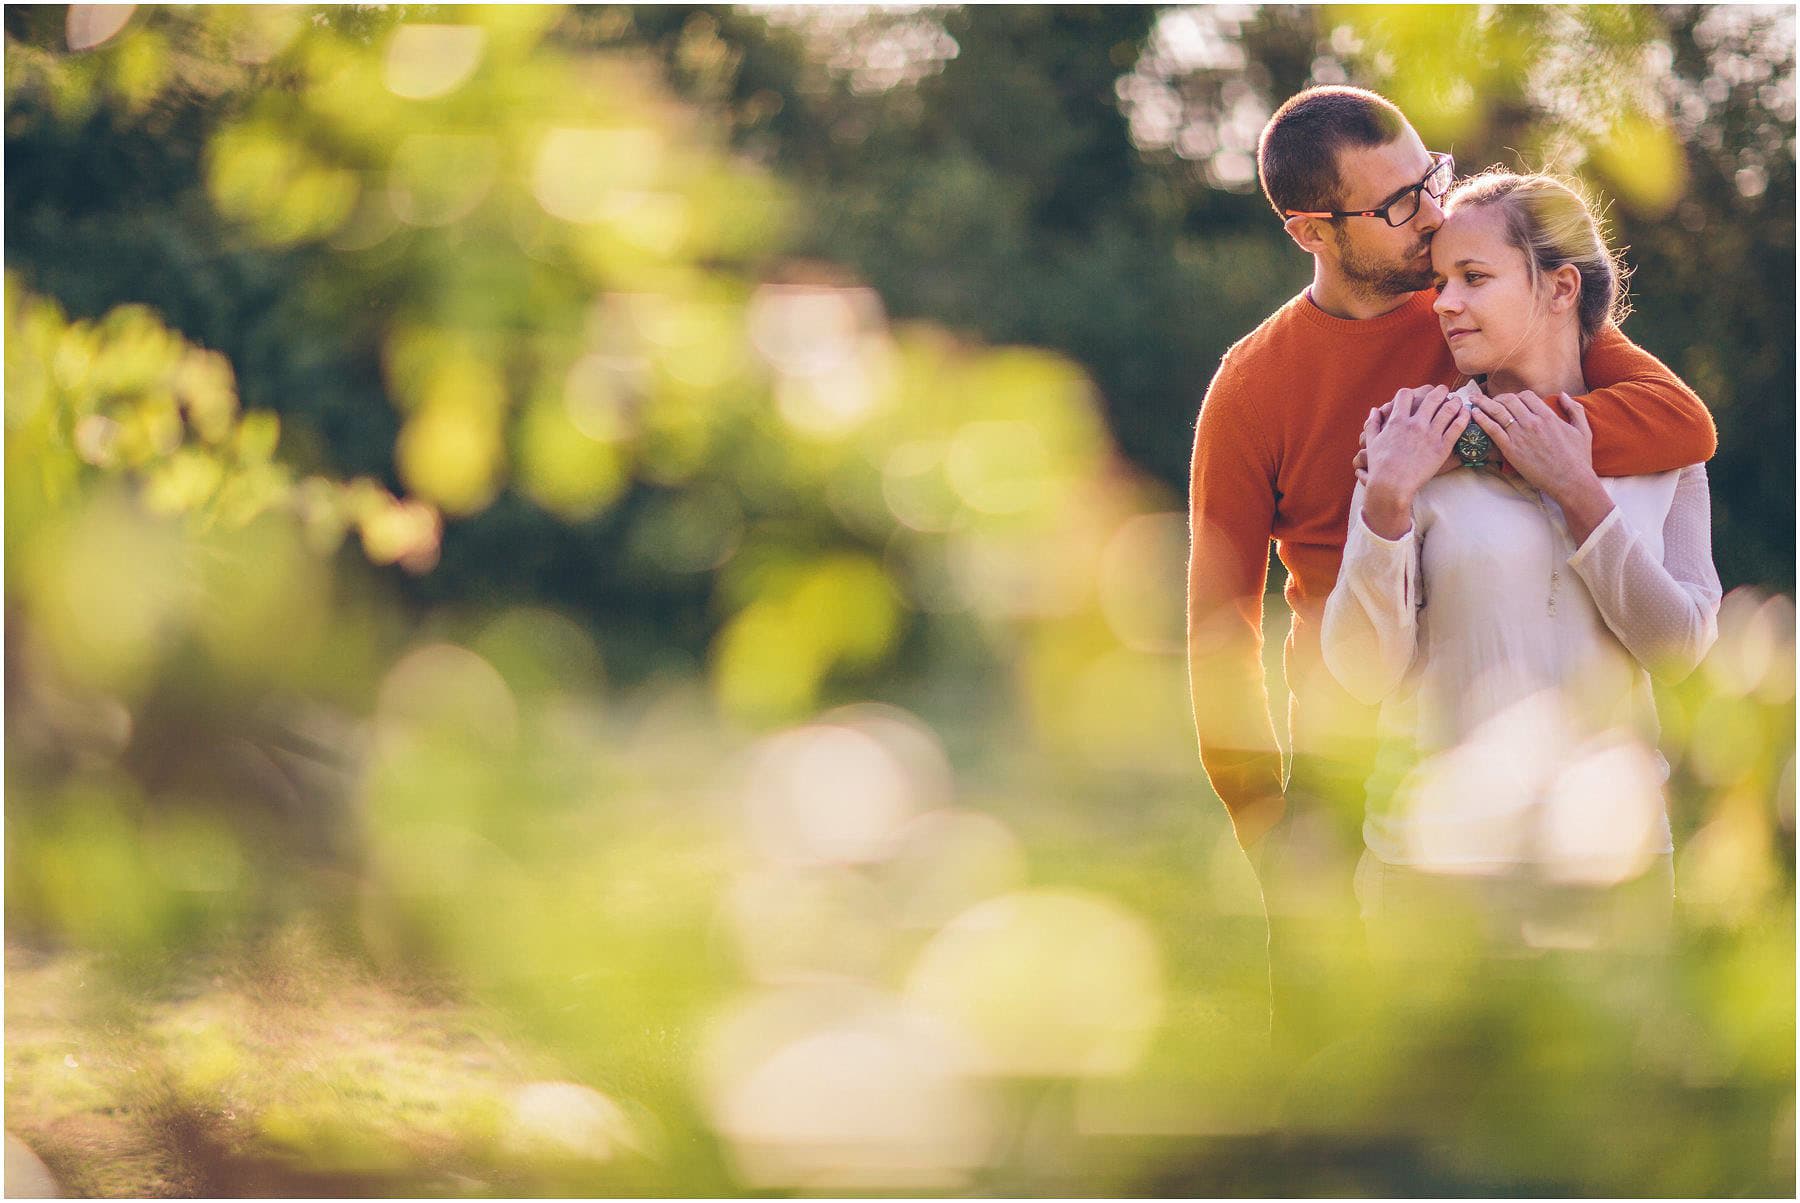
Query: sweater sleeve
x,y
1370,630
1665,612
1231,511
1645,419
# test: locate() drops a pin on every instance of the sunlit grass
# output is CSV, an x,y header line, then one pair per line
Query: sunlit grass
x,y
259,1070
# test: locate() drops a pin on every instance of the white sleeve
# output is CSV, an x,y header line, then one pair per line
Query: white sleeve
x,y
1371,618
1665,612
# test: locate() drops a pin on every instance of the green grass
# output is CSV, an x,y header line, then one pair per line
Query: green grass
x,y
277,1070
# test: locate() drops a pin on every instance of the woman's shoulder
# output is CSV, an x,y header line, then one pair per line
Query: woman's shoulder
x,y
1671,474
1650,483
1649,498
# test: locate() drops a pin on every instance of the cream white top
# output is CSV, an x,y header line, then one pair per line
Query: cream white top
x,y
1517,721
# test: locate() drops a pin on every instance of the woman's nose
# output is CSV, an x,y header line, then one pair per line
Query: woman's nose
x,y
1446,303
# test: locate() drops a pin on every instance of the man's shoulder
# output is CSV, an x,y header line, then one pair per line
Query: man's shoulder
x,y
1275,335
1269,350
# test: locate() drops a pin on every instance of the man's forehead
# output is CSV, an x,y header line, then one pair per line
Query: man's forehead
x,y
1369,175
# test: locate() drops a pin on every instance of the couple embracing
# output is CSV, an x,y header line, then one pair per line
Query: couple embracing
x,y
1493,512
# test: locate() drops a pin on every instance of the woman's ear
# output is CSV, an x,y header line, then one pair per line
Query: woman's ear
x,y
1565,288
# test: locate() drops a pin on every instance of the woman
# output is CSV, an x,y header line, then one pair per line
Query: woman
x,y
1505,614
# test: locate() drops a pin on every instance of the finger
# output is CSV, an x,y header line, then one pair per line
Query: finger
x,y
1577,413
1450,415
1362,476
1535,405
1495,431
1447,437
1361,460
1425,404
1506,408
1463,422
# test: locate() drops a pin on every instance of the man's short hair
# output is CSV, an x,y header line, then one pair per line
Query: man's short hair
x,y
1298,151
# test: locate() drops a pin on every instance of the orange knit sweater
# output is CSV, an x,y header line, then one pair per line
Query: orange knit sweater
x,y
1272,452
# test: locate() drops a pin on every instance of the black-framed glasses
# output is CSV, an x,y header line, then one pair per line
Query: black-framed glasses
x,y
1401,209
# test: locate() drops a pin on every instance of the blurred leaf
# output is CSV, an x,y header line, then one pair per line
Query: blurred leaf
x,y
1643,161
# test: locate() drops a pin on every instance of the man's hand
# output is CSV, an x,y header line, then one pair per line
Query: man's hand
x,y
1405,451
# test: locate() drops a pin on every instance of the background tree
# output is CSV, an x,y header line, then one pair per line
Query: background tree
x,y
1680,117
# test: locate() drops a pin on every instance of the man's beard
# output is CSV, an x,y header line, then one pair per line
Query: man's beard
x,y
1377,277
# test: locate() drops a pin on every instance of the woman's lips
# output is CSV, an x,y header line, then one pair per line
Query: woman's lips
x,y
1453,335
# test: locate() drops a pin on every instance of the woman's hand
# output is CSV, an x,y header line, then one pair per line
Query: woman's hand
x,y
1406,448
1451,463
1553,453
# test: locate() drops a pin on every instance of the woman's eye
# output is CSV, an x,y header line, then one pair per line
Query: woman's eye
x,y
1473,277
1437,286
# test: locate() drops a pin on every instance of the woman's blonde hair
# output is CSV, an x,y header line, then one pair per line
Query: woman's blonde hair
x,y
1553,224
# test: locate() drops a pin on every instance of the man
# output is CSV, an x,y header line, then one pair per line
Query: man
x,y
1358,191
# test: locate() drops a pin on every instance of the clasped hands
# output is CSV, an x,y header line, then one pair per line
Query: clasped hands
x,y
1410,439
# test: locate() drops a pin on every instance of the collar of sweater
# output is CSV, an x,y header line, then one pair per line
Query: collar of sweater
x,y
1414,309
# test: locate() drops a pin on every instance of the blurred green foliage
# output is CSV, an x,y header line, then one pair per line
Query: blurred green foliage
x,y
1123,229
755,684
923,177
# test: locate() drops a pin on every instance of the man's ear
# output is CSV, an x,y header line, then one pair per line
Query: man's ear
x,y
1307,233
1565,288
